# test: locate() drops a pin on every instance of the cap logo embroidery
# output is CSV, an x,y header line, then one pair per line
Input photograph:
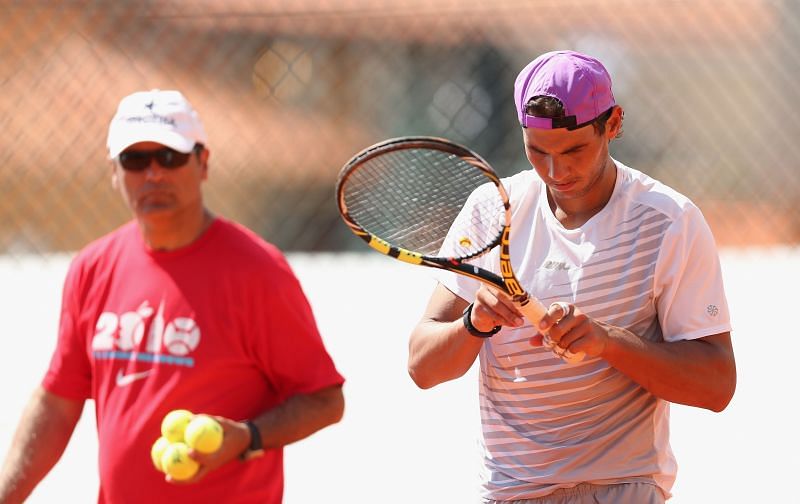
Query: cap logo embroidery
x,y
155,118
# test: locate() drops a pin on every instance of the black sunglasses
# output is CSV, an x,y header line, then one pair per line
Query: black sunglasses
x,y
166,158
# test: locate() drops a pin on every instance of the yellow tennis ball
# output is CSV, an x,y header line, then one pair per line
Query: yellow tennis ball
x,y
174,424
176,462
157,451
203,434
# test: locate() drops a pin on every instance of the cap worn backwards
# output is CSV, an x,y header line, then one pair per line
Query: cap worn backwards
x,y
579,81
164,117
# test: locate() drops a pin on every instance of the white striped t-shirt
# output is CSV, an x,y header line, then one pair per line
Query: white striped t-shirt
x,y
646,262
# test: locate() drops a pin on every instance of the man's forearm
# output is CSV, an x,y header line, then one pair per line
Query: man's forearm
x,y
440,351
300,416
698,372
39,441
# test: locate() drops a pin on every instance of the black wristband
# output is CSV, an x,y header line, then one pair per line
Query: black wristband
x,y
472,329
256,447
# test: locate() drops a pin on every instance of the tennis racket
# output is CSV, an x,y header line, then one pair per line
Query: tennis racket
x,y
431,202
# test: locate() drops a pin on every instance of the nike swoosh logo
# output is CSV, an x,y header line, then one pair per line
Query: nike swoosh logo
x,y
123,379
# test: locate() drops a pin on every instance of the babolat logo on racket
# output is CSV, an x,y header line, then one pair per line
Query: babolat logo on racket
x,y
513,286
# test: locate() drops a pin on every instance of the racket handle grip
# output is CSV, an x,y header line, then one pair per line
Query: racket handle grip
x,y
534,310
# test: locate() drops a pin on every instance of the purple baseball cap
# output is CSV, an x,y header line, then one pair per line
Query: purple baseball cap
x,y
581,83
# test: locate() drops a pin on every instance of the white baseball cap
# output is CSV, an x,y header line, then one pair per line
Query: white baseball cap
x,y
164,117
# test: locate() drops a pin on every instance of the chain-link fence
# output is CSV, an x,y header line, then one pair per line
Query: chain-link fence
x,y
289,90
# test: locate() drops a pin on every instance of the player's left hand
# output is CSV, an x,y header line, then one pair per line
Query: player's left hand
x,y
235,440
570,329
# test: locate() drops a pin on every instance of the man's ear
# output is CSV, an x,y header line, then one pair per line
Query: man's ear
x,y
114,176
204,155
614,123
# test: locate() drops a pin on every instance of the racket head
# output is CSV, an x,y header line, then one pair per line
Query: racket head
x,y
406,197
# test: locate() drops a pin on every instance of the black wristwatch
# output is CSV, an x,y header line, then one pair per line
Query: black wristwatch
x,y
474,330
256,448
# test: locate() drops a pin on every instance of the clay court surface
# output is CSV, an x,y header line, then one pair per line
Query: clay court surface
x,y
398,444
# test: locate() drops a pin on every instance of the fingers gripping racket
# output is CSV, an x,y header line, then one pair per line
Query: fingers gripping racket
x,y
431,202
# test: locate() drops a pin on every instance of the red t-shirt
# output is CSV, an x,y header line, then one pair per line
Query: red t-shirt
x,y
221,326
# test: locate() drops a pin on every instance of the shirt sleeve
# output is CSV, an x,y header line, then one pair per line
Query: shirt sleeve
x,y
689,292
70,374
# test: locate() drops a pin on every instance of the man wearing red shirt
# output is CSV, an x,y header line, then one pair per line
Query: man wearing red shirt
x,y
178,309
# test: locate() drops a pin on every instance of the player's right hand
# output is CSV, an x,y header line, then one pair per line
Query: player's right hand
x,y
493,307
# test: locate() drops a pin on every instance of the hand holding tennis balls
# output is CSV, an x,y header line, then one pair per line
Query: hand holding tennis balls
x,y
203,434
181,432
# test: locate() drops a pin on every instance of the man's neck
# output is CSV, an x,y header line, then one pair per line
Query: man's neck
x,y
174,232
575,213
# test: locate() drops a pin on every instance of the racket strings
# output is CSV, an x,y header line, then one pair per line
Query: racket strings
x,y
417,199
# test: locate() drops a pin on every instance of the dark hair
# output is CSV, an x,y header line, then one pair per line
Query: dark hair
x,y
553,108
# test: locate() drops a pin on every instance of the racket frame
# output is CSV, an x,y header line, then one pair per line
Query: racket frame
x,y
507,281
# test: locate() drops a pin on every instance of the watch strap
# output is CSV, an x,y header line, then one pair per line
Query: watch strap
x,y
467,318
256,447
